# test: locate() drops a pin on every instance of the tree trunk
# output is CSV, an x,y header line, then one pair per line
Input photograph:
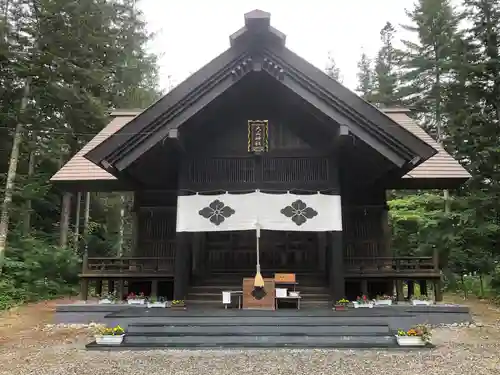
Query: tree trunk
x,y
86,220
481,285
122,225
464,287
76,240
64,222
27,208
11,175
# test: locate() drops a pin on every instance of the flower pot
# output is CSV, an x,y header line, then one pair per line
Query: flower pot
x,y
418,302
109,339
410,341
106,301
383,302
136,301
157,304
340,307
178,307
358,305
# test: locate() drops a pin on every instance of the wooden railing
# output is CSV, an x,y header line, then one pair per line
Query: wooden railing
x,y
128,265
392,264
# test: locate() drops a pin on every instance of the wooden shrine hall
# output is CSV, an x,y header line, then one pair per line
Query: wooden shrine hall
x,y
260,137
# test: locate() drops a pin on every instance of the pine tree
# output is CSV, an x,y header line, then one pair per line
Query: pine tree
x,y
426,64
331,69
385,80
365,77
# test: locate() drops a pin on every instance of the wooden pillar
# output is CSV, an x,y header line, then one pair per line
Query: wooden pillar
x,y
364,287
322,247
399,290
65,218
84,289
154,288
423,287
411,288
84,283
386,233
196,253
98,287
336,269
111,286
438,292
121,289
182,263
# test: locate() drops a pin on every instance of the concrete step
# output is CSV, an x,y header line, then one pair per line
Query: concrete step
x,y
255,330
197,295
261,341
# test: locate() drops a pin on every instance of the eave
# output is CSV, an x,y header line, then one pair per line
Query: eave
x,y
262,52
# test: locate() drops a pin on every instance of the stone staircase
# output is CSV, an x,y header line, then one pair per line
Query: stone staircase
x,y
207,292
221,328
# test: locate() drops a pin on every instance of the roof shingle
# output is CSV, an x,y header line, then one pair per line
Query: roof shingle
x,y
442,165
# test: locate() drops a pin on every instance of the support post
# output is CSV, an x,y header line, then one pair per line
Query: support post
x,y
411,289
399,291
423,287
98,287
182,263
111,286
438,293
336,274
84,289
154,288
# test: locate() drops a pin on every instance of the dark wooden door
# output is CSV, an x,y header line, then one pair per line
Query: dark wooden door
x,y
279,251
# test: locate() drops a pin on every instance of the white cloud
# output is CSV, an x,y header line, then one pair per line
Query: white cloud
x,y
190,33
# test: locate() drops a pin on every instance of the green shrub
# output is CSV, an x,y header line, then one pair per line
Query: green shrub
x,y
36,270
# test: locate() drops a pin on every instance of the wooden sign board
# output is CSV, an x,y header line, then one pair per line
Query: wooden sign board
x,y
258,136
284,278
250,302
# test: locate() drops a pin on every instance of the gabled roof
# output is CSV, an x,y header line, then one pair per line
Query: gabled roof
x,y
80,169
260,48
441,166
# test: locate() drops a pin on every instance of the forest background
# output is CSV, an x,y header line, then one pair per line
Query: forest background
x,y
58,88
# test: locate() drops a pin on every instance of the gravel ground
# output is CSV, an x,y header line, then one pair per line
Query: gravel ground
x,y
460,351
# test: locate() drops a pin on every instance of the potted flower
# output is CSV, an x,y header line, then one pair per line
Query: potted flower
x,y
178,304
383,300
362,301
421,300
153,302
110,298
109,335
341,305
419,335
134,299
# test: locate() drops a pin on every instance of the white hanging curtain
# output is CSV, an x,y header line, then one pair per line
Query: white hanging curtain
x,y
281,212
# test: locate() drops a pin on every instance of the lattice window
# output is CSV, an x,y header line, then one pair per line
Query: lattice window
x,y
222,170
295,169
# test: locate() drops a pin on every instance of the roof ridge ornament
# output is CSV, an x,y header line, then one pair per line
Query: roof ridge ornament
x,y
257,23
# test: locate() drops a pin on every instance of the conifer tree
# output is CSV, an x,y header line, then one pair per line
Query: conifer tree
x,y
426,64
332,70
365,77
385,80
